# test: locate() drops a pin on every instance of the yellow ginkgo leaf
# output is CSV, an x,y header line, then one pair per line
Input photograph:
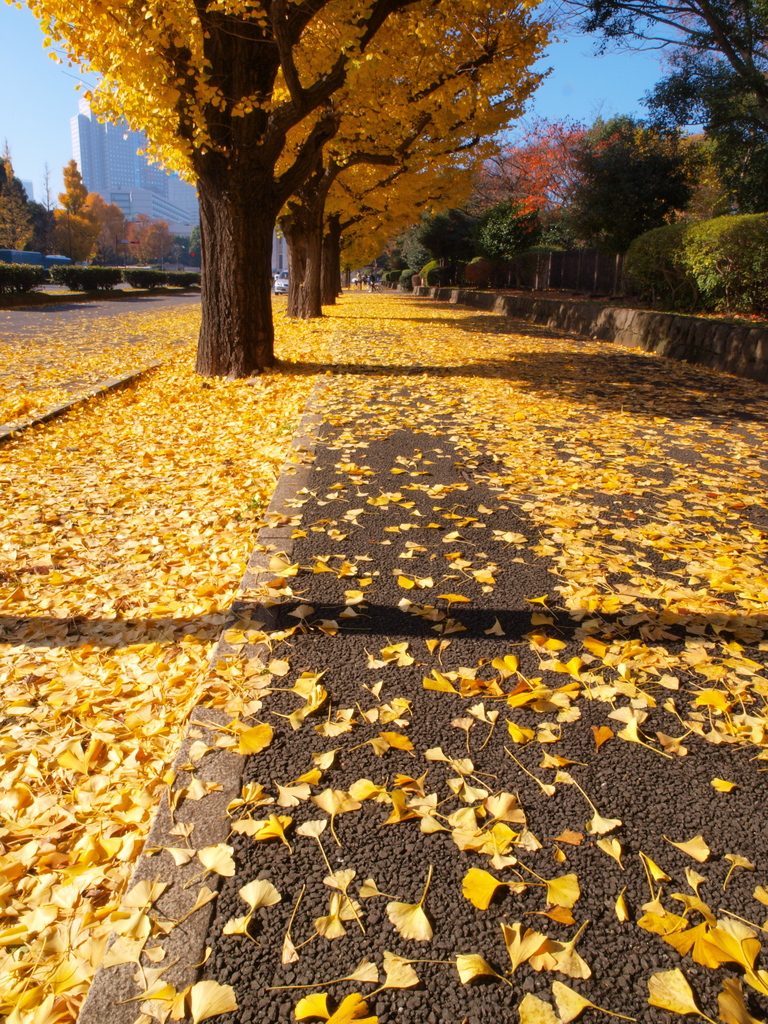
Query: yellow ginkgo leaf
x,y
478,887
409,918
398,972
533,1010
519,733
563,891
218,858
273,827
620,907
598,825
722,785
333,802
730,1004
260,893
696,848
657,874
523,943
315,1005
352,1008
472,965
253,741
669,990
737,861
612,847
570,1004
567,960
209,999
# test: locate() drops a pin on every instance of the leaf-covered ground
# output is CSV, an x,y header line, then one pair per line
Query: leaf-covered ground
x,y
51,356
125,530
564,550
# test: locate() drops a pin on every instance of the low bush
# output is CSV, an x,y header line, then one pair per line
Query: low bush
x,y
139,277
721,264
655,266
406,279
391,276
728,259
478,272
21,277
183,278
432,274
87,279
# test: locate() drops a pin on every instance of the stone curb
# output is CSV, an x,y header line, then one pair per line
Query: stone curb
x,y
112,384
112,987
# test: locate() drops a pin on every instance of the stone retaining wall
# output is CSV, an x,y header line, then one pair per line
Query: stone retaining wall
x,y
742,351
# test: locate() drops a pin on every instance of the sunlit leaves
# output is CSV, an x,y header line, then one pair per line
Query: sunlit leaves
x,y
670,990
409,918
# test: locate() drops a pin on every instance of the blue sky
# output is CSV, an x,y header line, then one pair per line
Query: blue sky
x,y
35,121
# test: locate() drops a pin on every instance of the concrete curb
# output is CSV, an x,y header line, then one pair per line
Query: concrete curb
x,y
223,769
112,384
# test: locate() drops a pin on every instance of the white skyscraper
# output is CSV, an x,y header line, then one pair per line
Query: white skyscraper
x,y
108,159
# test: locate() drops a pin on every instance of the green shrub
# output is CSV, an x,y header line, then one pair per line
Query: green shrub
x,y
183,278
406,281
144,278
87,279
391,277
21,277
478,272
722,263
432,274
728,259
655,263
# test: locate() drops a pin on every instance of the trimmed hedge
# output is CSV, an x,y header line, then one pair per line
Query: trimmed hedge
x,y
87,279
655,262
430,274
21,277
721,264
406,279
143,278
183,278
392,276
728,259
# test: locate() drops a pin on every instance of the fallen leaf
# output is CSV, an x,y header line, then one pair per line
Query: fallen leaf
x,y
218,858
731,1006
669,990
253,741
209,999
479,887
696,848
533,1010
409,919
570,1004
722,785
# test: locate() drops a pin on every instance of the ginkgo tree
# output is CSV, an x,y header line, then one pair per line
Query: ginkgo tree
x,y
426,91
218,87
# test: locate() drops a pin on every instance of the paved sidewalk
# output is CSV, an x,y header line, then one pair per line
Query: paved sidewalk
x,y
506,617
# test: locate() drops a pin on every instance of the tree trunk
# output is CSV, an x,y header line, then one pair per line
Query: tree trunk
x,y
303,230
331,261
236,332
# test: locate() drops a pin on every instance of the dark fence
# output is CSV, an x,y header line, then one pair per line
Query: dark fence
x,y
580,270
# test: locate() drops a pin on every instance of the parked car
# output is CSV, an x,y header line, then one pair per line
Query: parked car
x,y
281,283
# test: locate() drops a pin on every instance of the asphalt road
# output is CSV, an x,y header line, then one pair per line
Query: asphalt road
x,y
452,506
23,322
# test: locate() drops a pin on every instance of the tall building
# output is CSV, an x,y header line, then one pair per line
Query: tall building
x,y
108,158
109,161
